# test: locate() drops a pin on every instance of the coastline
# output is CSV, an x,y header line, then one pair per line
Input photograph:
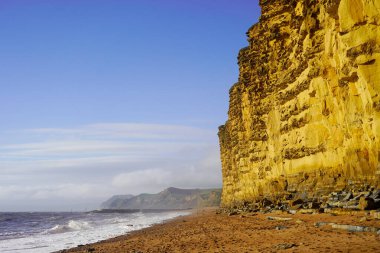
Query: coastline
x,y
206,231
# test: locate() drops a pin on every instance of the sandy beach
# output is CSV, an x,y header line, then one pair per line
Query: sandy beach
x,y
206,231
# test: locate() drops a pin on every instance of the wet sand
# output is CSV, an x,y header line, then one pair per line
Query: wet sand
x,y
206,231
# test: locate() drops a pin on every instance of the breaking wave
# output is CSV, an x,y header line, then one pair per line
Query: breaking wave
x,y
72,225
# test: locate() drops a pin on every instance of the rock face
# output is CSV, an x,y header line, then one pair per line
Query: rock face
x,y
171,198
116,202
304,117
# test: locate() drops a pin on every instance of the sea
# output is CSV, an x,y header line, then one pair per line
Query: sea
x,y
39,232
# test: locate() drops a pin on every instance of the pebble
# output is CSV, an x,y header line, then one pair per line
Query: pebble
x,y
285,246
279,218
349,228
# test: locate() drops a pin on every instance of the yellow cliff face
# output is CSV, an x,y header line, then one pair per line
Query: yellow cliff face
x,y
304,117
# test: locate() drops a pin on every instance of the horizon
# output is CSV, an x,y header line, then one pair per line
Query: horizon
x,y
103,98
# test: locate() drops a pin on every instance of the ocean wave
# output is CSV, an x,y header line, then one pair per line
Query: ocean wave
x,y
117,220
11,235
66,232
72,225
5,219
52,218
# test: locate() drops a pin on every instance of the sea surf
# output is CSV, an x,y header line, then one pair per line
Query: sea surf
x,y
42,232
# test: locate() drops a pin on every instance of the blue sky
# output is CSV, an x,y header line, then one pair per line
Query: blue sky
x,y
110,97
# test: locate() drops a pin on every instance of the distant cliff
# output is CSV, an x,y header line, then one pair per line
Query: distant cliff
x,y
116,202
171,198
304,117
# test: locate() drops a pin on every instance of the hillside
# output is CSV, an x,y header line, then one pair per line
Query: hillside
x,y
171,198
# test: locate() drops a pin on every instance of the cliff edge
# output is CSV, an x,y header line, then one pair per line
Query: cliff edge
x,y
304,117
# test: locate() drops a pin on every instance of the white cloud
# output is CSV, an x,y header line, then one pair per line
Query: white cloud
x,y
45,192
95,161
142,181
129,130
62,148
53,197
202,173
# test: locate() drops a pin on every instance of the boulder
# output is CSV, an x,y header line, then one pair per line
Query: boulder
x,y
376,194
366,203
348,197
297,202
314,205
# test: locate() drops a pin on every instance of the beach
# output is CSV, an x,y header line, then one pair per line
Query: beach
x,y
211,231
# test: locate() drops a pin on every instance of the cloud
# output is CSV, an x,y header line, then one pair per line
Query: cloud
x,y
146,180
95,161
130,131
202,173
53,197
46,192
99,144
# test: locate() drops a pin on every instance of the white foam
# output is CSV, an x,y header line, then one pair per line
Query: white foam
x,y
82,232
71,226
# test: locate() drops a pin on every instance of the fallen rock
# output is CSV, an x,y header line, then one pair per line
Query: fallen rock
x,y
336,203
307,211
366,203
279,218
266,202
321,223
297,202
354,203
351,228
377,203
358,196
376,215
314,205
348,197
296,207
285,246
376,194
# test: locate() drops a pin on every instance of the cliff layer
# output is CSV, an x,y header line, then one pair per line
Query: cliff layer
x,y
304,117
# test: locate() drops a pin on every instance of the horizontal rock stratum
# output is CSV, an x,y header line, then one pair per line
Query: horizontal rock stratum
x,y
304,117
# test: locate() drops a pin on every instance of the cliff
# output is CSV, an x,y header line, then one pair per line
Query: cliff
x,y
116,202
304,117
171,198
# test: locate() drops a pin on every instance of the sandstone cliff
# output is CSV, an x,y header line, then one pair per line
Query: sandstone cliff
x,y
304,117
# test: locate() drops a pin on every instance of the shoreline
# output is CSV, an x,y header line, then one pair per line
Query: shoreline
x,y
206,231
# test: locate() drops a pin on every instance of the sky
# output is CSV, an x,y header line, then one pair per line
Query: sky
x,y
106,97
